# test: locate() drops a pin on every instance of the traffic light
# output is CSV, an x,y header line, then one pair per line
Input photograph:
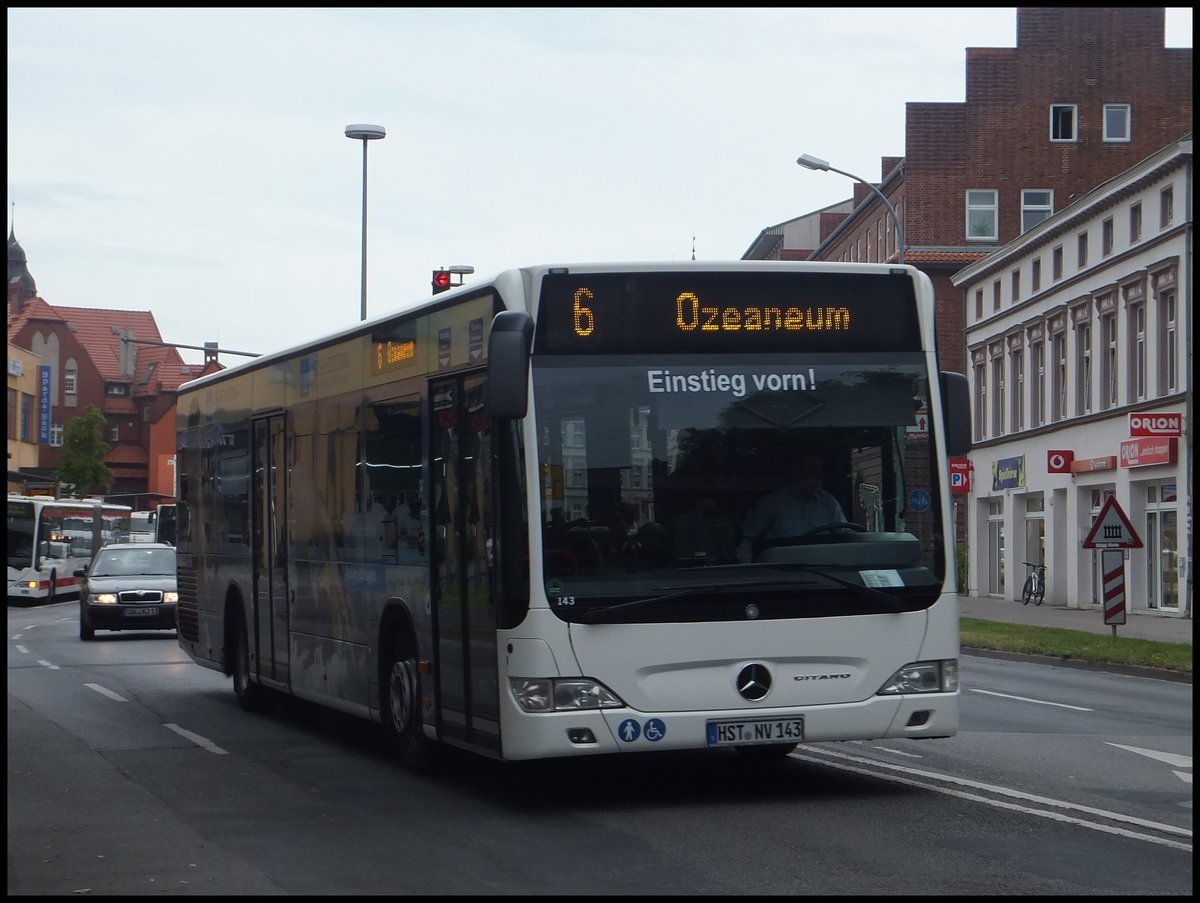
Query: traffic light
x,y
441,281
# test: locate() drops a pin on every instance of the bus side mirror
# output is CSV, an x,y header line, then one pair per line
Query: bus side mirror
x,y
508,364
956,412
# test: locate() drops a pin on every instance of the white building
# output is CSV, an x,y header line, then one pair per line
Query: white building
x,y
1079,350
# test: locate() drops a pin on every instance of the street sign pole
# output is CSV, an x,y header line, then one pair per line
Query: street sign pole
x,y
1112,567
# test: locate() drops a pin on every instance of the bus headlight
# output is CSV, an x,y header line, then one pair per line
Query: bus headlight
x,y
104,599
923,677
561,694
172,598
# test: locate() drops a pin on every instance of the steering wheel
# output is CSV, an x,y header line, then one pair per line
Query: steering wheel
x,y
835,525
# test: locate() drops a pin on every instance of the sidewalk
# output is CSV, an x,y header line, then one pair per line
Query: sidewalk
x,y
1141,626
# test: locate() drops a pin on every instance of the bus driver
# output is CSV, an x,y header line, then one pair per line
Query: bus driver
x,y
793,509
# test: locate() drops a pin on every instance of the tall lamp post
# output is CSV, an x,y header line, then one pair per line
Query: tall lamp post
x,y
364,132
810,162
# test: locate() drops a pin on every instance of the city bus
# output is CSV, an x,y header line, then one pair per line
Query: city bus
x,y
49,538
507,519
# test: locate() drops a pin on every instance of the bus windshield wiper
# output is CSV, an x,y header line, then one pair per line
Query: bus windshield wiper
x,y
593,614
860,589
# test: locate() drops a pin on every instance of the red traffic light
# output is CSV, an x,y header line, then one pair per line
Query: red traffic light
x,y
441,281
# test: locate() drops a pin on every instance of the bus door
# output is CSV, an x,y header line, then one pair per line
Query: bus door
x,y
269,617
462,562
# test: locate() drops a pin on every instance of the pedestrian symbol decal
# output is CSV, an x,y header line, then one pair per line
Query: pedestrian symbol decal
x,y
629,730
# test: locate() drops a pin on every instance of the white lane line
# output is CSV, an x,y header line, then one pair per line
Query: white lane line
x,y
203,742
1173,759
898,752
21,648
42,661
1003,791
106,692
1042,813
1061,705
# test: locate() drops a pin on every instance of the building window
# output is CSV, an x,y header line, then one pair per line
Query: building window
x,y
1037,365
26,418
1056,263
1016,286
114,434
996,295
1108,375
71,382
1060,377
1017,381
1062,121
12,414
982,214
1116,122
1106,237
1167,353
980,398
1035,275
56,435
978,304
1137,354
1135,223
1037,204
1166,207
116,389
997,391
1082,243
1083,365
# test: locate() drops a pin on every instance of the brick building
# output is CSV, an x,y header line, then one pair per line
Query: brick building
x,y
113,359
1086,94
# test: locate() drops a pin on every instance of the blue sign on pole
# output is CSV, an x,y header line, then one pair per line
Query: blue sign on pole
x,y
918,500
43,404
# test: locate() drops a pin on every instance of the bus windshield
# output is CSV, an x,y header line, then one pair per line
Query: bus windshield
x,y
649,471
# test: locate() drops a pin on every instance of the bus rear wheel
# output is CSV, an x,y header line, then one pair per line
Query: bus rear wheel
x,y
401,713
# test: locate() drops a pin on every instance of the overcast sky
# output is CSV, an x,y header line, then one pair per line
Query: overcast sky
x,y
192,162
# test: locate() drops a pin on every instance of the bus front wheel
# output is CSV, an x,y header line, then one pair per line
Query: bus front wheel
x,y
251,697
401,712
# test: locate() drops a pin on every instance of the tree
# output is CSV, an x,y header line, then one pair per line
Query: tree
x,y
83,454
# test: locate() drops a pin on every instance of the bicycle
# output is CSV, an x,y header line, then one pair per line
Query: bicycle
x,y
1035,584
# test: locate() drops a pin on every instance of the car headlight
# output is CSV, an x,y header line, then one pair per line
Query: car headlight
x,y
104,599
171,597
923,677
559,694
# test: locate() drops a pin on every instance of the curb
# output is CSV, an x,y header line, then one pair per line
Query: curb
x,y
1114,667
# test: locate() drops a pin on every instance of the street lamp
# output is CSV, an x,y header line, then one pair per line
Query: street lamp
x,y
364,132
810,162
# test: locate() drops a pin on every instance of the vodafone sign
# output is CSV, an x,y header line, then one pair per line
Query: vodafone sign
x,y
1059,460
1155,425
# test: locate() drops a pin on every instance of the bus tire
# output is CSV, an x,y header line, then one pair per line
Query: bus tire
x,y
767,753
400,710
251,697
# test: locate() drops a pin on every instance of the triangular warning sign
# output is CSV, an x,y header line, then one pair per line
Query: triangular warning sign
x,y
1112,529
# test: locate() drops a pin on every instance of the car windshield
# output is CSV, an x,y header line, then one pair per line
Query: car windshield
x,y
135,563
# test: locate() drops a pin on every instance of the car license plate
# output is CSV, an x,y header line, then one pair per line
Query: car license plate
x,y
145,611
750,733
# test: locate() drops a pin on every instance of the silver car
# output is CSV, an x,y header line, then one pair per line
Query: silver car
x,y
128,586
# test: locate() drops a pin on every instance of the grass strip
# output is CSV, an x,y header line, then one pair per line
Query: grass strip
x,y
1074,644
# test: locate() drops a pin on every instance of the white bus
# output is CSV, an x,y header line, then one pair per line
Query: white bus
x,y
506,519
49,538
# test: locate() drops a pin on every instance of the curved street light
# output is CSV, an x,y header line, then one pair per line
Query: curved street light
x,y
810,162
363,131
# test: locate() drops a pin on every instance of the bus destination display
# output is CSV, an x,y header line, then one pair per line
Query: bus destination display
x,y
606,313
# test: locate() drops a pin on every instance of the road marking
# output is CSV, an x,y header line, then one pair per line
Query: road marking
x,y
197,739
1061,705
21,648
106,692
1169,758
806,756
898,752
42,661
